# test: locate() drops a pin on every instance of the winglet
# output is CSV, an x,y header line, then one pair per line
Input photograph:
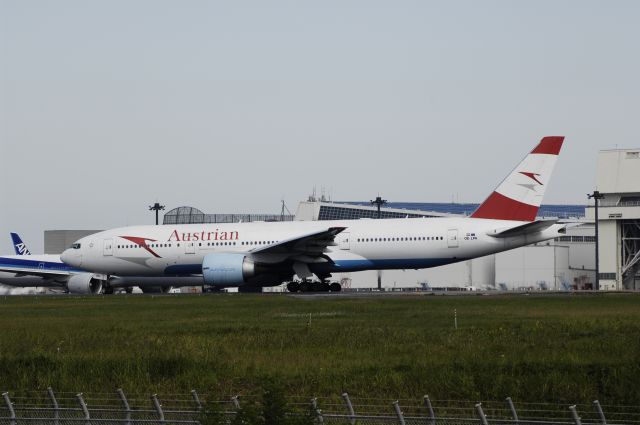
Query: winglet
x,y
19,246
519,196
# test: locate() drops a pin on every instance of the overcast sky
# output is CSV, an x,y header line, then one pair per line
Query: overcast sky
x,y
108,106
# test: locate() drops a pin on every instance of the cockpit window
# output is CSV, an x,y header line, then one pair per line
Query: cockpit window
x,y
75,246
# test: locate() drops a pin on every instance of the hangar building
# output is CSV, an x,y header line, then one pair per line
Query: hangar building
x,y
618,181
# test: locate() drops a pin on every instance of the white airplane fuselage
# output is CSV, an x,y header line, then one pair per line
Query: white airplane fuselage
x,y
264,254
363,245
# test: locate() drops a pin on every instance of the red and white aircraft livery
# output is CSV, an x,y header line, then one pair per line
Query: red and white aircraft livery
x,y
251,255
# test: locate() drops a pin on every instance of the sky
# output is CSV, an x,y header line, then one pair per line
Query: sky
x,y
109,106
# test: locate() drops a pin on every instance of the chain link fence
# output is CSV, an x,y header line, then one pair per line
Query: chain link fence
x,y
39,407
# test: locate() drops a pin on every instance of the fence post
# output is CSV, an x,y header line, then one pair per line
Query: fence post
x,y
85,409
314,405
399,414
481,415
514,414
158,406
574,414
603,420
236,402
352,413
194,394
56,407
432,415
12,413
125,403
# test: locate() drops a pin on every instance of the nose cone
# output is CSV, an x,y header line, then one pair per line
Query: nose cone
x,y
72,257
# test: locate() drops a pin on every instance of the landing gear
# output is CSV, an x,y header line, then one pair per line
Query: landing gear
x,y
293,286
308,286
108,290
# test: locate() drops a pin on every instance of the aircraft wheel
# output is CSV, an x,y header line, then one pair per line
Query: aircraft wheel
x,y
128,290
324,287
318,286
293,286
108,290
335,287
306,287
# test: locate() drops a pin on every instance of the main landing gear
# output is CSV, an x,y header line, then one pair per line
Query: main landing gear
x,y
309,286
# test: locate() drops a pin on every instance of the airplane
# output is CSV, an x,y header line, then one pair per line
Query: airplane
x,y
257,254
24,270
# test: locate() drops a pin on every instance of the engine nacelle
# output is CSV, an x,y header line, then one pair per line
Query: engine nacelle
x,y
84,283
226,269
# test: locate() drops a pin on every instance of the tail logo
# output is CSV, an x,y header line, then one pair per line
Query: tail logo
x,y
22,249
532,176
142,243
19,246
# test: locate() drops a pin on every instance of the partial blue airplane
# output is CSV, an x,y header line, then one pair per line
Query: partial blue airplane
x,y
25,270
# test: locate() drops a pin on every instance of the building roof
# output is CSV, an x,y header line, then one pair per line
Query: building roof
x,y
546,210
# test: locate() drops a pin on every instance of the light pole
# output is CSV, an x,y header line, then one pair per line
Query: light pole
x,y
596,196
157,208
379,202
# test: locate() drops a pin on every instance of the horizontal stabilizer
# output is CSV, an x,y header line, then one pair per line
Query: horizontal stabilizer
x,y
524,229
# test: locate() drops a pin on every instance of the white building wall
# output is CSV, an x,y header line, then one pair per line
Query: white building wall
x,y
531,267
619,171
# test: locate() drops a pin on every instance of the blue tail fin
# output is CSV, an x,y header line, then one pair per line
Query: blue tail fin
x,y
19,246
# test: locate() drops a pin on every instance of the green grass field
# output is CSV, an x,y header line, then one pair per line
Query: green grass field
x,y
564,349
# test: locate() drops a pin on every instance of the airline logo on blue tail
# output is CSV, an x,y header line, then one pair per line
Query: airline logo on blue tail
x,y
19,246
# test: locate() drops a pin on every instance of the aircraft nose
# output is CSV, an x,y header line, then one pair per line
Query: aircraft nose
x,y
71,257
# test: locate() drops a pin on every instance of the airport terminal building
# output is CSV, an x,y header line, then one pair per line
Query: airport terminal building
x,y
564,263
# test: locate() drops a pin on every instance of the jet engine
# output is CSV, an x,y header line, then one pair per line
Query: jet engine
x,y
84,283
227,269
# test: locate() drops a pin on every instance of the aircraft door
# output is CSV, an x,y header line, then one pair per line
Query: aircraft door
x,y
190,248
452,238
107,247
344,241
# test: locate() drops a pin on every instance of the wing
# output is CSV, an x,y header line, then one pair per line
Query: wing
x,y
307,248
27,271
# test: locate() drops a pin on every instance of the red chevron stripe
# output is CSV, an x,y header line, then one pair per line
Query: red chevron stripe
x,y
499,207
142,242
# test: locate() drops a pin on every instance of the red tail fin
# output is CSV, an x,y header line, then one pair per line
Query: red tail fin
x,y
519,195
